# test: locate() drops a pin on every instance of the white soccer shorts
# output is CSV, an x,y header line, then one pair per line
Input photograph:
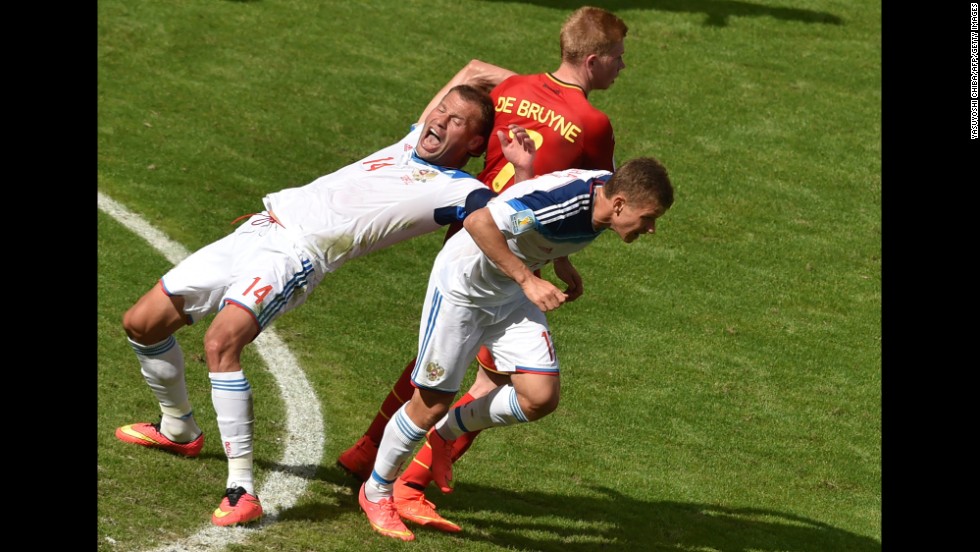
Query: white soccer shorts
x,y
257,267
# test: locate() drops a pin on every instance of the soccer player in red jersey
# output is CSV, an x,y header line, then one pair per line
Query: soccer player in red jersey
x,y
568,132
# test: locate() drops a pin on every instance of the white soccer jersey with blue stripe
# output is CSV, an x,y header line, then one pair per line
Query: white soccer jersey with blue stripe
x,y
543,218
385,198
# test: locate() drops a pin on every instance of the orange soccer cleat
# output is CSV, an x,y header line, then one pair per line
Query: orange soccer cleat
x,y
148,435
384,517
237,508
412,505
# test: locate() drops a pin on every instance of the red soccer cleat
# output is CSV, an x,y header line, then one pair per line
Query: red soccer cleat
x,y
148,435
237,508
412,505
384,517
359,459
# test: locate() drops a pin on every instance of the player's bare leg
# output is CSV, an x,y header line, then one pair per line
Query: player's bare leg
x,y
155,316
233,328
150,324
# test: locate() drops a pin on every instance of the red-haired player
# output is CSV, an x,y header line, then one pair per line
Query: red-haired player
x,y
569,132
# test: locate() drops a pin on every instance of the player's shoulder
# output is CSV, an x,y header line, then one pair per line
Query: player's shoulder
x,y
514,81
556,179
585,110
576,174
524,77
593,114
569,178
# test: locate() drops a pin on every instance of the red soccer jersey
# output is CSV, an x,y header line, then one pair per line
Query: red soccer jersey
x,y
568,131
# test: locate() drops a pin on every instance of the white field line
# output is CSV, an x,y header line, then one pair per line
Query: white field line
x,y
304,423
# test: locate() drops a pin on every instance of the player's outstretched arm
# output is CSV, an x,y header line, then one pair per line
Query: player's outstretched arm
x,y
477,73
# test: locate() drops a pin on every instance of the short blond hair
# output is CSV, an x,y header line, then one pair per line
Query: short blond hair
x,y
590,30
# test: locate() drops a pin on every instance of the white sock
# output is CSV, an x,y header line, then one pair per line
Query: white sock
x,y
162,366
497,408
231,395
401,436
240,474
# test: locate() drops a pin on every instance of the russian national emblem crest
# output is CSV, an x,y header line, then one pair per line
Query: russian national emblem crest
x,y
423,175
434,371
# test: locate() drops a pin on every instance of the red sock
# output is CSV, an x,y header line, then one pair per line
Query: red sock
x,y
417,473
399,395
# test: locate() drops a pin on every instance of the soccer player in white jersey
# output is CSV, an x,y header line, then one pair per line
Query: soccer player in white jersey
x,y
483,291
272,262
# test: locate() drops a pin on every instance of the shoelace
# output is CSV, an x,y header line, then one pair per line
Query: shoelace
x,y
266,218
388,508
234,495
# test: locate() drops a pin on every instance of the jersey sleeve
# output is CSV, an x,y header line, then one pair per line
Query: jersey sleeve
x,y
501,212
459,199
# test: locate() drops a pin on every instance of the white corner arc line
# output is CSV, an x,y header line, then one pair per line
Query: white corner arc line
x,y
304,422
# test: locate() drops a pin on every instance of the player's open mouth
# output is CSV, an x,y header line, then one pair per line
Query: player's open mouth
x,y
431,141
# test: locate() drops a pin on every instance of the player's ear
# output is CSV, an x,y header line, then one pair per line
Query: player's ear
x,y
590,61
618,203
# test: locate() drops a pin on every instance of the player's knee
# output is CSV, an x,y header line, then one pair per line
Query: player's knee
x,y
154,317
134,324
538,405
425,408
218,350
548,406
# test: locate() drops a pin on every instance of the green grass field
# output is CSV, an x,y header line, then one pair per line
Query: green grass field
x,y
721,382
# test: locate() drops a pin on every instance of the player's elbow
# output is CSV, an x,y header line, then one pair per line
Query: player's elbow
x,y
472,221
